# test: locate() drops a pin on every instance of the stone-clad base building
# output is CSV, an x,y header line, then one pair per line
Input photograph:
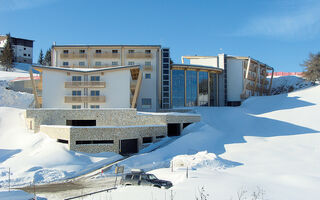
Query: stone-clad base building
x,y
122,131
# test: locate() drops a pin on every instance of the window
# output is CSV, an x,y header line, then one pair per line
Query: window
x,y
95,93
81,63
166,60
114,63
148,51
131,63
146,102
131,51
24,49
148,63
166,83
166,71
76,106
76,78
98,63
94,106
165,66
76,93
65,51
147,140
114,51
147,76
24,54
95,78
98,51
65,63
82,51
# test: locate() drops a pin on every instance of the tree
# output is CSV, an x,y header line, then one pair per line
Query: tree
x,y
6,59
40,60
47,58
312,67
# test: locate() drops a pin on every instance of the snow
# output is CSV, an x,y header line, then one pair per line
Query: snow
x,y
15,194
269,144
285,84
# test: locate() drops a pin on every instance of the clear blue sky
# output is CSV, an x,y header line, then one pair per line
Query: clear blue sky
x,y
279,33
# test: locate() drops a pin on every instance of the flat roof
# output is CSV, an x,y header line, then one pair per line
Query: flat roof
x,y
197,67
84,70
102,45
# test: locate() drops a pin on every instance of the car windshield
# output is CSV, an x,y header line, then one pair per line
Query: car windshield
x,y
152,177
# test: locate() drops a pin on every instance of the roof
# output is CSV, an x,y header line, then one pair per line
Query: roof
x,y
197,67
101,45
84,70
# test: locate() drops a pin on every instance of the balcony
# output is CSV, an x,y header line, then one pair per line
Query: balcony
x,y
251,77
139,55
85,84
249,87
73,55
147,68
82,99
106,55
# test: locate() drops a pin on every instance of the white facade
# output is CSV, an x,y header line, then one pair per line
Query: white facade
x,y
101,56
22,49
116,90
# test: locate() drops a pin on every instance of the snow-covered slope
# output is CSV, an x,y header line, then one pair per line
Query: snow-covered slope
x,y
285,84
269,144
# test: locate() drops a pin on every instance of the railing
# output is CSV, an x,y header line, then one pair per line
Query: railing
x,y
249,86
106,55
139,55
73,55
147,67
75,66
85,84
82,99
251,78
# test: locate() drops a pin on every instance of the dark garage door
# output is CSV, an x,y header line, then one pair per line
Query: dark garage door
x,y
128,146
174,130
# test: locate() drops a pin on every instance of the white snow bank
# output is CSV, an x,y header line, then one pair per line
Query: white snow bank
x,y
15,195
10,98
198,160
285,84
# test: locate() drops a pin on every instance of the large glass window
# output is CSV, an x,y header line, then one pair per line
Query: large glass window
x,y
191,86
203,89
213,89
178,88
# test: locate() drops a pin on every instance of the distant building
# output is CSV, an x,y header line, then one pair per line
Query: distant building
x,y
22,48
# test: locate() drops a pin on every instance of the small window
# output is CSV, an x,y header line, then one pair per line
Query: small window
x,y
65,51
166,60
98,51
114,63
94,106
82,51
76,106
147,63
165,71
81,63
95,93
95,78
165,66
131,51
147,76
76,78
131,63
98,63
166,83
146,102
29,55
115,51
24,49
165,100
76,93
165,94
24,54
147,140
65,63
148,51
136,177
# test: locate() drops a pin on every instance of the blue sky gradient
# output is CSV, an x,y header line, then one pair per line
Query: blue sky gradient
x,y
279,33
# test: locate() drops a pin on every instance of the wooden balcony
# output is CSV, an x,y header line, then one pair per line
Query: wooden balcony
x,y
75,66
249,87
147,68
265,82
73,55
139,55
106,55
251,78
82,99
85,84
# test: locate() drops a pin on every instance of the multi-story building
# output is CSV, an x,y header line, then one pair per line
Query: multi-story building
x,y
242,77
22,48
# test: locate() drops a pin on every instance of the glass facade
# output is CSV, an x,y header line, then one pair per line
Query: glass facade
x,y
196,81
192,88
203,89
178,88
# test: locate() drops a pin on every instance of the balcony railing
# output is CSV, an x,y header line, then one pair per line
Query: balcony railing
x,y
106,55
73,55
85,84
147,67
139,55
251,77
82,99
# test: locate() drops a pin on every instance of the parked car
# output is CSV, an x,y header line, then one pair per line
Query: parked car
x,y
141,178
